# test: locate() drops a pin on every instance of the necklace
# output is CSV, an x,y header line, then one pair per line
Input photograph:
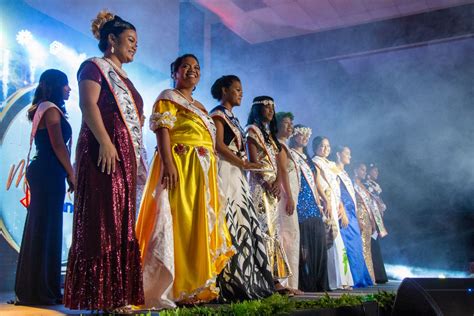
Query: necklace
x,y
119,70
180,93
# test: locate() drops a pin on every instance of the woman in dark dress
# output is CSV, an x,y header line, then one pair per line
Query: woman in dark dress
x,y
104,269
313,268
39,265
375,190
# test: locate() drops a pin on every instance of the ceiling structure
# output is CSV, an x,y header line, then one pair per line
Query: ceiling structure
x,y
259,21
256,21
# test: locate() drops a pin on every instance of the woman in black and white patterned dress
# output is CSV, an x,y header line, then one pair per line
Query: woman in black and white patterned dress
x,y
247,275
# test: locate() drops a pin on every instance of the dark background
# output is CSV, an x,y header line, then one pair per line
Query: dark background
x,y
399,93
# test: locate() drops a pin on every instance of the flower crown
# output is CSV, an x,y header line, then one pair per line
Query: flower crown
x,y
264,102
305,131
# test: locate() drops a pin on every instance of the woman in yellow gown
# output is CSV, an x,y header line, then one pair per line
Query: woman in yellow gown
x,y
181,228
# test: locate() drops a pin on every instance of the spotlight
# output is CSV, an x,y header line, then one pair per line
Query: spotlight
x,y
66,54
24,37
35,50
55,48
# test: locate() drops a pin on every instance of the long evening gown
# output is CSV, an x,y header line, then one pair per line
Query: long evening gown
x,y
313,267
104,269
290,230
266,205
351,235
182,232
38,273
247,275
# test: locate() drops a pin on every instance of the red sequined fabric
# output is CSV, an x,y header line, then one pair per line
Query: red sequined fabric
x,y
104,269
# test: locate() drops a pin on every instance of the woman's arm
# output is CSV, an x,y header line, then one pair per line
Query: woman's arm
x,y
252,152
89,92
169,174
282,162
222,148
52,120
228,154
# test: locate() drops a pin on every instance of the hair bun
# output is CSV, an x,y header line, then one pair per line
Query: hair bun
x,y
102,17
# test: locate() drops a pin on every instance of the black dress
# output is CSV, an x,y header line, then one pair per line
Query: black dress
x,y
313,269
38,272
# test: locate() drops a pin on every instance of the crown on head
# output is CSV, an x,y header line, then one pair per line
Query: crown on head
x,y
305,131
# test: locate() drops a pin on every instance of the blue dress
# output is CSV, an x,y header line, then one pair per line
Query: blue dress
x,y
38,273
353,242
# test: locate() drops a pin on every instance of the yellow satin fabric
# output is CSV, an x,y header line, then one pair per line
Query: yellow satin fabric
x,y
200,251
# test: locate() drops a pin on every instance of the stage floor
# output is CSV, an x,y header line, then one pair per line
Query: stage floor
x,y
56,310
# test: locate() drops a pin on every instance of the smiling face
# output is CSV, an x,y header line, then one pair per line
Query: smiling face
x,y
285,127
66,92
233,94
125,45
188,73
324,149
301,140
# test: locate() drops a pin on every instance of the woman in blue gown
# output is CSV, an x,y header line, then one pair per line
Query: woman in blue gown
x,y
39,265
351,234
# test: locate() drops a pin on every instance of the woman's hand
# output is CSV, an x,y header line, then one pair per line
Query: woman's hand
x,y
275,189
252,165
71,182
290,206
344,221
169,178
107,157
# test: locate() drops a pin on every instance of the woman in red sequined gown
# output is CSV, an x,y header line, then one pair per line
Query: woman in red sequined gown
x,y
104,269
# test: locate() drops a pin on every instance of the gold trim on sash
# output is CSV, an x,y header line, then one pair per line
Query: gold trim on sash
x,y
238,135
261,141
173,96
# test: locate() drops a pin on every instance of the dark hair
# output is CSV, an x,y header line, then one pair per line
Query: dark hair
x,y
255,117
337,149
282,115
115,26
50,88
222,82
317,142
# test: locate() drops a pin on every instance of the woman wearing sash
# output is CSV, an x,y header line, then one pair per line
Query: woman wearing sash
x,y
375,190
351,234
339,272
247,275
290,231
38,276
181,227
313,254
366,220
104,269
263,147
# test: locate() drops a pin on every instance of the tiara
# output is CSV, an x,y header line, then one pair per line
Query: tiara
x,y
305,131
264,102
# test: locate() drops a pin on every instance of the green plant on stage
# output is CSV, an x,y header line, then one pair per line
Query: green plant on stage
x,y
282,305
